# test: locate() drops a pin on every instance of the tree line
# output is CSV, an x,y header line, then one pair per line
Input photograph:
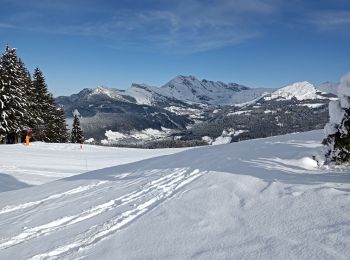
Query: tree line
x,y
25,103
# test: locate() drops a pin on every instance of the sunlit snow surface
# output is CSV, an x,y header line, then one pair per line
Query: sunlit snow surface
x,y
41,162
257,199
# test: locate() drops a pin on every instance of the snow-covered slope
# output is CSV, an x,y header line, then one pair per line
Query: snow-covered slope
x,y
111,93
299,90
142,93
190,89
148,95
42,162
259,199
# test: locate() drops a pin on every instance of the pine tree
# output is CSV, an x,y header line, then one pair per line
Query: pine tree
x,y
31,119
44,108
61,126
337,131
13,103
27,104
76,134
56,128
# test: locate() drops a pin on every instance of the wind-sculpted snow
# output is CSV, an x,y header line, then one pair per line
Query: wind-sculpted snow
x,y
258,199
124,208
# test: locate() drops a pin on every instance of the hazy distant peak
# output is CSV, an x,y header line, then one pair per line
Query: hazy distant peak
x,y
328,87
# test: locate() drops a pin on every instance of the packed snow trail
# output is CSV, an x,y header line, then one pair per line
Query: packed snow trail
x,y
11,208
125,208
94,234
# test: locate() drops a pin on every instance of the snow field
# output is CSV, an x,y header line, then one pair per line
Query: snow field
x,y
257,199
42,162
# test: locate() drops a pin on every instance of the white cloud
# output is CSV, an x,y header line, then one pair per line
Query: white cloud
x,y
176,26
6,25
330,20
188,26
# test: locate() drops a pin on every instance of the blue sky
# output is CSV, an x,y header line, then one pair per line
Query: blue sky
x,y
259,43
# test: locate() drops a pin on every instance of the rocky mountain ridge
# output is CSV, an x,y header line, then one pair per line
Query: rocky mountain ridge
x,y
185,104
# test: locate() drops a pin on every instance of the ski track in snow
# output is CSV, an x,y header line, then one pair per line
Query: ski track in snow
x,y
11,208
137,203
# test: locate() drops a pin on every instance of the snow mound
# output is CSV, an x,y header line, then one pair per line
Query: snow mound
x,y
300,90
207,139
90,141
306,163
222,140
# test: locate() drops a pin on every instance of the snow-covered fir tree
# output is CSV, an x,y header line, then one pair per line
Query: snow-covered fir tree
x,y
55,126
26,103
42,108
31,119
77,134
13,101
51,126
61,126
337,131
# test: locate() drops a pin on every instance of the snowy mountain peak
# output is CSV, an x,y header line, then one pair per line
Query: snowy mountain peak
x,y
143,86
102,90
142,93
191,89
182,78
300,90
112,93
192,81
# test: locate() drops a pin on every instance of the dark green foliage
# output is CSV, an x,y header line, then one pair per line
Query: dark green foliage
x,y
30,119
77,134
13,101
61,133
50,120
43,106
27,104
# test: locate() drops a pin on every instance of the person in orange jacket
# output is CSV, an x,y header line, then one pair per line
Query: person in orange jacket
x,y
27,139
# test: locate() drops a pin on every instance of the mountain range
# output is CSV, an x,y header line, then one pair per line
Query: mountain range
x,y
187,111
